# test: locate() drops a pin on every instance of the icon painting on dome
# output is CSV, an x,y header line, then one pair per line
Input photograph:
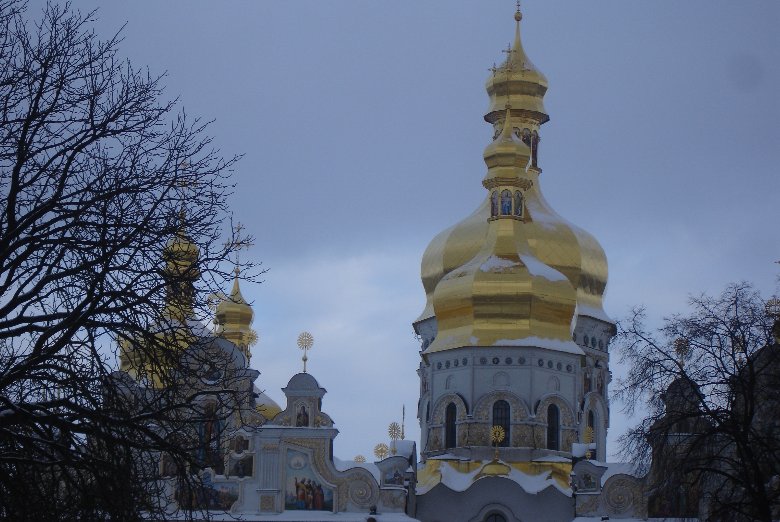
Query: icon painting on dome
x,y
506,203
494,204
518,203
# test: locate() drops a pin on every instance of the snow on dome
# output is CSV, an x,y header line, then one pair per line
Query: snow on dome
x,y
303,381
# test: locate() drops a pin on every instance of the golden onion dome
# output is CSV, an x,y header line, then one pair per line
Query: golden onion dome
x,y
504,293
539,233
233,319
180,252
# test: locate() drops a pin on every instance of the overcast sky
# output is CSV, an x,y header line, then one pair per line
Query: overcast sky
x,y
362,133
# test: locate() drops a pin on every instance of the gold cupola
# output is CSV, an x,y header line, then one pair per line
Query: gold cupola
x,y
233,319
517,83
533,243
504,294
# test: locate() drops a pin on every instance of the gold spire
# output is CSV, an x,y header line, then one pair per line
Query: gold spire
x,y
521,84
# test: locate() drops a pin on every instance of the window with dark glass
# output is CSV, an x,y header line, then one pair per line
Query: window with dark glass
x,y
501,418
449,426
592,426
553,428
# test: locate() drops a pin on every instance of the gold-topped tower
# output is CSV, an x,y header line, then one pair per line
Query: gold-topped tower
x,y
514,335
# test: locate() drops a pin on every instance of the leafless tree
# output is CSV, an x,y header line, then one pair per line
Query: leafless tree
x,y
97,174
710,383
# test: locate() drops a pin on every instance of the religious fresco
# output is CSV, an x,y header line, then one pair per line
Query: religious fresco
x,y
208,495
241,467
393,477
303,490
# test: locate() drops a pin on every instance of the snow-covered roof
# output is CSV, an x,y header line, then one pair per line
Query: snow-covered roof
x,y
344,465
616,468
457,480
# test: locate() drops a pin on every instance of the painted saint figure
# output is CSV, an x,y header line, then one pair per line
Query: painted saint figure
x,y
302,419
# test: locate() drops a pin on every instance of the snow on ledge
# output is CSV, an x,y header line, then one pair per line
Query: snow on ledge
x,y
543,342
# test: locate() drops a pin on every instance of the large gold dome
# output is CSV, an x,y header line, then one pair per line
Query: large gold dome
x,y
542,242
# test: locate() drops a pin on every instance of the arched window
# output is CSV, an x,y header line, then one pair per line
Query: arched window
x,y
553,427
449,425
495,517
494,204
592,426
501,418
506,203
518,203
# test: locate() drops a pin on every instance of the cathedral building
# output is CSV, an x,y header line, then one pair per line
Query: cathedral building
x,y
514,370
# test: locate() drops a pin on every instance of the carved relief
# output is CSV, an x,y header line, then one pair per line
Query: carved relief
x,y
569,438
441,405
479,435
267,503
522,436
393,499
484,409
587,504
623,495
567,416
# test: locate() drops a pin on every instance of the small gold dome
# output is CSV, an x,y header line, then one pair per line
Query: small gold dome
x,y
181,254
517,82
233,319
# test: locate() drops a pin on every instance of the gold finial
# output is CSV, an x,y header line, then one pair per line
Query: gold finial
x,y
682,347
305,342
394,430
518,14
381,450
497,435
359,458
587,438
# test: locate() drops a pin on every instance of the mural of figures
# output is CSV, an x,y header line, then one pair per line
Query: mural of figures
x,y
242,467
394,478
494,204
506,203
209,495
303,490
302,418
